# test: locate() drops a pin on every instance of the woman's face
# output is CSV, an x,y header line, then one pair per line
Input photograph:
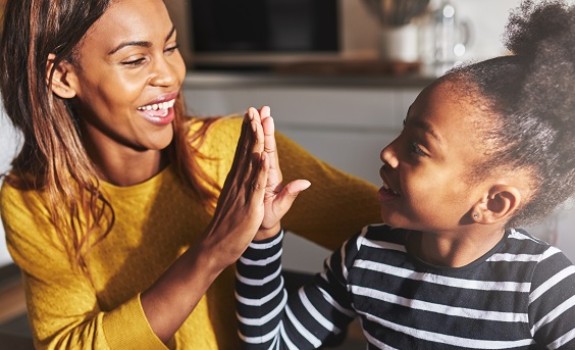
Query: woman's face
x,y
426,172
127,75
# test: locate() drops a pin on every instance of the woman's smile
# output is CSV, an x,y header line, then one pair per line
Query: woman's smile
x,y
160,113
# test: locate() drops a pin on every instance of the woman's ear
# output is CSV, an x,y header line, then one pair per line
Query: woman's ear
x,y
498,205
61,81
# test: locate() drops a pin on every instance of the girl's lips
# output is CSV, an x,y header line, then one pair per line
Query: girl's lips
x,y
386,194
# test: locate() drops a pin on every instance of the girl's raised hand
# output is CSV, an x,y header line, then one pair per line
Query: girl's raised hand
x,y
278,198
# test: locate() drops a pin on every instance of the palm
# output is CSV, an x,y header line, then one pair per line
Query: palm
x,y
278,198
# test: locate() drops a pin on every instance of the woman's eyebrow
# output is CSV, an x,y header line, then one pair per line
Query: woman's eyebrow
x,y
141,43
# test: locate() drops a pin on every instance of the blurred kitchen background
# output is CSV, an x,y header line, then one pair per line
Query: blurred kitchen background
x,y
339,76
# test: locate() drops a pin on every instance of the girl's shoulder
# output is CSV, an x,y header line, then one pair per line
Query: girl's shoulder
x,y
381,236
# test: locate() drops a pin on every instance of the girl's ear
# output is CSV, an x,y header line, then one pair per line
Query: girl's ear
x,y
498,205
61,82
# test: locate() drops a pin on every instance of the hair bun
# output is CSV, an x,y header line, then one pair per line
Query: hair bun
x,y
532,26
543,34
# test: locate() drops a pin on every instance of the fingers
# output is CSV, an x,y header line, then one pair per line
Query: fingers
x,y
260,177
287,196
257,129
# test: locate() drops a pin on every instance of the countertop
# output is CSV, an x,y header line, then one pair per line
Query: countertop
x,y
327,74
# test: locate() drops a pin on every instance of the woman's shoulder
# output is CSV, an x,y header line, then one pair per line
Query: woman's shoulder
x,y
223,124
12,195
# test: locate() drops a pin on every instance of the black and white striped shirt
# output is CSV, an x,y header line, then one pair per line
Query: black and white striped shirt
x,y
520,295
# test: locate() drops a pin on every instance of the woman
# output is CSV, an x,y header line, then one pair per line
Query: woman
x,y
109,209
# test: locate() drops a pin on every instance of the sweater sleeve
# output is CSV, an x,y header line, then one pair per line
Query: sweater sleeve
x,y
317,314
62,304
552,301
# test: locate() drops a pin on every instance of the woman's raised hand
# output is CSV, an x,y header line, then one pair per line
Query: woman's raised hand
x,y
240,208
278,198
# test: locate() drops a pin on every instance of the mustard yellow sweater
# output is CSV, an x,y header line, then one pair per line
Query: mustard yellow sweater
x,y
155,222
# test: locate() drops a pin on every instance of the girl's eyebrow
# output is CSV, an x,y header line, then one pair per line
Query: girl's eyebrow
x,y
428,129
141,43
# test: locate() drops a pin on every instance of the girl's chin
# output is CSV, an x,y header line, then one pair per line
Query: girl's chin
x,y
393,219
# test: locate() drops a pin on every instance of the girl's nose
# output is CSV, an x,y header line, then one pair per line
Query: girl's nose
x,y
388,155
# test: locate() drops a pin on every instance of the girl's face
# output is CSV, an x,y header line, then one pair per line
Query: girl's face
x,y
127,75
426,172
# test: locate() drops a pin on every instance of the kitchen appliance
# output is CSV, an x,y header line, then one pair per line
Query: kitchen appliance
x,y
254,34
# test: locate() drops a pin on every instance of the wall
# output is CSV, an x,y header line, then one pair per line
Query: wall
x,y
8,148
487,20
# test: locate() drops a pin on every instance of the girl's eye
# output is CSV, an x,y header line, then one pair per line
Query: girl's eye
x,y
415,149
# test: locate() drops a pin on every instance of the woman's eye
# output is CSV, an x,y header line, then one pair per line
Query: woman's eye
x,y
171,49
134,62
414,148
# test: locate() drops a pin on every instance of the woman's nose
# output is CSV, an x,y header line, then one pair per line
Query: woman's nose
x,y
165,73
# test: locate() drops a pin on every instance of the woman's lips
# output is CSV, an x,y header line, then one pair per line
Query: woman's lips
x,y
161,113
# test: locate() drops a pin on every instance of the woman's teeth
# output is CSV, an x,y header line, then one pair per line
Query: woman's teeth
x,y
158,106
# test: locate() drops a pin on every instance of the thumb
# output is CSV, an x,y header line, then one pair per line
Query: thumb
x,y
288,195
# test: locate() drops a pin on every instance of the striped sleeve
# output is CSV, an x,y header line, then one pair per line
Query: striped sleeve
x,y
315,315
552,301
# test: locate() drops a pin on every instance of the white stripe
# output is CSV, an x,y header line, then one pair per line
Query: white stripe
x,y
260,339
564,339
553,314
262,246
551,282
327,324
377,342
383,245
344,271
448,339
441,309
260,321
443,280
287,340
514,257
334,303
259,281
262,262
523,237
301,329
275,343
358,243
260,301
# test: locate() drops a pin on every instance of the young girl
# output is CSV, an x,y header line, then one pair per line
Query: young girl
x,y
485,148
109,208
